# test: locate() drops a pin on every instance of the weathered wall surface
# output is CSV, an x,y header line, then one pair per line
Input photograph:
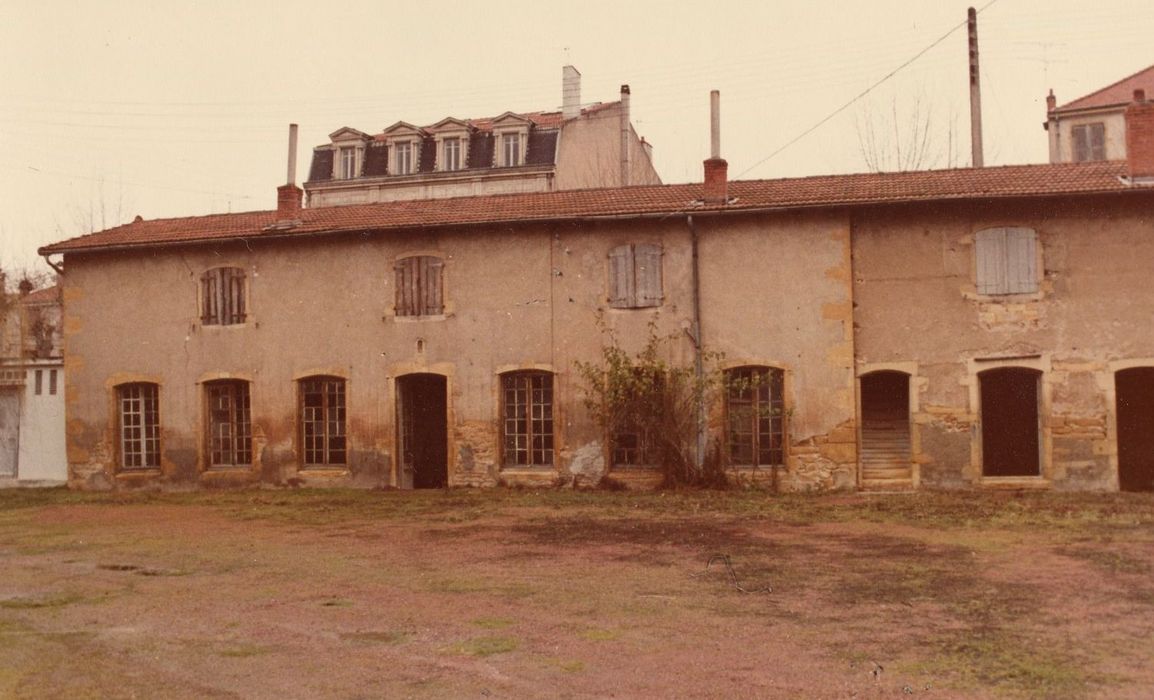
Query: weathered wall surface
x,y
1061,135
589,153
776,292
916,302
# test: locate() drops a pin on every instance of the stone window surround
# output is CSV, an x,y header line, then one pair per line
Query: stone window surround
x,y
558,416
348,139
971,291
786,404
448,306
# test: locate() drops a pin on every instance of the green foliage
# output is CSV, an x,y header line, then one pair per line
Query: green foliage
x,y
650,408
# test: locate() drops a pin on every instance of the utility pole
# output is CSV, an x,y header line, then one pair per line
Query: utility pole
x,y
976,159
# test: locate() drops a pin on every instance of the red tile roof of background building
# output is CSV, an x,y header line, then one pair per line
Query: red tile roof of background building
x,y
1118,93
830,191
42,296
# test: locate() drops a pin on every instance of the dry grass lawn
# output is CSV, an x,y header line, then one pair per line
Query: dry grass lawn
x,y
511,594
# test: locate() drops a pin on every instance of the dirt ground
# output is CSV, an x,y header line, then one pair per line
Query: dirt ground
x,y
501,594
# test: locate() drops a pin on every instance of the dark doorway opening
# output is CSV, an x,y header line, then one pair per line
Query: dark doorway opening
x,y
1010,445
423,431
1134,389
885,425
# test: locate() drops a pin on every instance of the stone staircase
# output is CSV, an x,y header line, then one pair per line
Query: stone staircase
x,y
885,453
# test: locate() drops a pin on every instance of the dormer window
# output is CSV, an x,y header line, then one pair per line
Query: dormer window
x,y
348,163
511,150
403,158
349,153
451,154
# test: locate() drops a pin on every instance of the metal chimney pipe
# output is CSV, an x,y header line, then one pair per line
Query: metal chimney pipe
x,y
715,124
292,155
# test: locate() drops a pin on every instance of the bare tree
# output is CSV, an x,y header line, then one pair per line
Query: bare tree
x,y
906,137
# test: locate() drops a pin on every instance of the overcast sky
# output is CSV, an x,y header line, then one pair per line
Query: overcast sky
x,y
117,108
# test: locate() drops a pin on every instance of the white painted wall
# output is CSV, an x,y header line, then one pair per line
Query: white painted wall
x,y
42,456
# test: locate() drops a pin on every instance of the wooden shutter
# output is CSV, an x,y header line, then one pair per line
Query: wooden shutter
x,y
431,269
210,312
647,274
1021,261
990,248
1097,141
1081,144
621,290
406,287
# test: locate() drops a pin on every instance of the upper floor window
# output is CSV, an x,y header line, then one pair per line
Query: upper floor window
x,y
1007,261
527,418
347,166
322,417
403,158
451,154
419,286
229,424
635,276
138,415
754,420
222,296
1089,142
511,150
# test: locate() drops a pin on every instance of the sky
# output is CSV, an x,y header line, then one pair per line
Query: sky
x,y
157,108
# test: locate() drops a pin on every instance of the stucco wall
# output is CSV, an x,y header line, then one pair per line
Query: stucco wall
x,y
775,291
589,153
916,302
1060,134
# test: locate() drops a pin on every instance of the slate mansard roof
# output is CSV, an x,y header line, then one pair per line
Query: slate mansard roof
x,y
540,149
828,191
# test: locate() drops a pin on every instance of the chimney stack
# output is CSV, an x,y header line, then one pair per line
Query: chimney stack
x,y
624,136
716,169
1051,102
570,92
288,195
1140,136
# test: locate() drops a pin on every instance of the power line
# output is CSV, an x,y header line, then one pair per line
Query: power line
x,y
862,94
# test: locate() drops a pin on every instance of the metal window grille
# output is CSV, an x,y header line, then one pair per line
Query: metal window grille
x,y
229,424
52,382
527,418
419,286
323,421
754,416
139,426
39,381
223,297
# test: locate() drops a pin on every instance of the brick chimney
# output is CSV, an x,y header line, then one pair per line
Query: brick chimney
x,y
289,197
1051,102
1140,136
716,168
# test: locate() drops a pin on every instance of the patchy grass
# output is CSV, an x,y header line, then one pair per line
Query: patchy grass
x,y
377,637
487,646
493,623
51,601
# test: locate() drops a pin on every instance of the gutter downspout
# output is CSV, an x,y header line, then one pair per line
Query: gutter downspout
x,y
54,266
698,360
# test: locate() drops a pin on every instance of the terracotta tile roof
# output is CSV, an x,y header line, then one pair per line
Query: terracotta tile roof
x,y
1118,93
829,191
42,296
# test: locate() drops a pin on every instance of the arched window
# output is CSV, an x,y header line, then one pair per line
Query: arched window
x,y
138,418
222,296
322,421
527,419
754,417
419,286
229,439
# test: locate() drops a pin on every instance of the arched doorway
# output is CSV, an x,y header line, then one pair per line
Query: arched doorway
x,y
885,428
1134,389
1010,428
422,431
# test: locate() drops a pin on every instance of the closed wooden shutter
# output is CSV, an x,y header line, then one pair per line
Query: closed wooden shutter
x,y
647,271
1097,141
419,287
621,291
1081,144
1021,261
210,311
991,260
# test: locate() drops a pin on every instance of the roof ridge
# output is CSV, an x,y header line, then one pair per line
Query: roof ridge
x,y
1112,85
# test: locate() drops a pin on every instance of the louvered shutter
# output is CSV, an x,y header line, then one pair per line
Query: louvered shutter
x,y
1021,261
406,287
1081,144
431,269
621,277
1097,141
647,273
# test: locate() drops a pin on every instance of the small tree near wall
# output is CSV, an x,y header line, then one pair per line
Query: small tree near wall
x,y
649,408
